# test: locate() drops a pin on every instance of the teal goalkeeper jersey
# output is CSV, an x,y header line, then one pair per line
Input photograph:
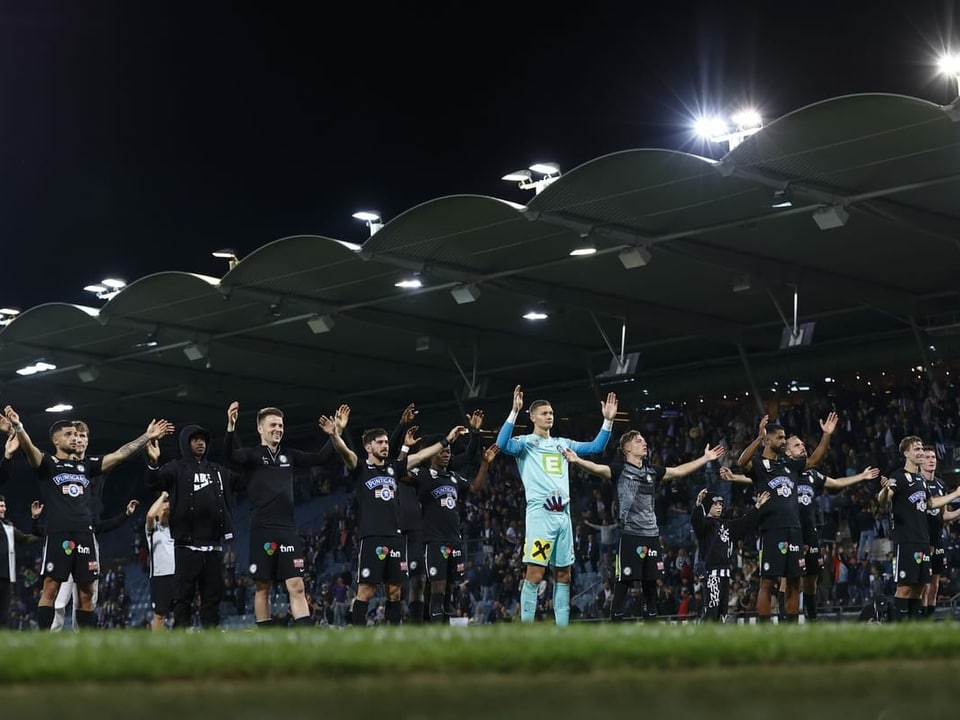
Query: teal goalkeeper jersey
x,y
543,469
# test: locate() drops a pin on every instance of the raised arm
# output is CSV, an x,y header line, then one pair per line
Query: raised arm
x,y
869,473
942,500
155,430
886,490
828,426
488,455
467,457
750,450
593,468
33,454
505,441
431,450
153,514
709,454
730,476
331,428
608,409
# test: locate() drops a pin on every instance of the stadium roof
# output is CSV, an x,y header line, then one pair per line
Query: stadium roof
x,y
882,170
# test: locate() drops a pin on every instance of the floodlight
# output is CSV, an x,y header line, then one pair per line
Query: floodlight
x,y
9,311
113,283
782,199
464,294
546,168
710,128
321,324
59,408
746,119
583,250
409,283
95,288
371,218
535,315
635,257
950,65
517,176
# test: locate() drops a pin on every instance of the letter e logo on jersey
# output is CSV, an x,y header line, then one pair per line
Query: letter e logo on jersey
x,y
553,463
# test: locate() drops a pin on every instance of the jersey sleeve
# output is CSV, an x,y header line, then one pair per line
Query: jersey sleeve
x,y
507,444
594,447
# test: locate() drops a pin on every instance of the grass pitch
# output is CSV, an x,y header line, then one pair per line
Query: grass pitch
x,y
506,671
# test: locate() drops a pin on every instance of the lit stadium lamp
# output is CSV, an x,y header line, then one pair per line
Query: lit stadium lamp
x,y
227,254
949,65
535,315
106,288
410,283
7,314
59,408
710,128
747,119
372,220
549,172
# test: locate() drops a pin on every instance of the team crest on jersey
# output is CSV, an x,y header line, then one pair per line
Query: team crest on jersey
x,y
782,486
389,471
80,468
920,500
384,493
282,458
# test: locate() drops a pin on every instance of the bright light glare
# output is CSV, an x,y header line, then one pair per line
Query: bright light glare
x,y
710,127
534,315
747,118
517,176
367,216
59,408
37,367
96,288
409,283
545,168
113,283
9,311
949,64
225,254
581,251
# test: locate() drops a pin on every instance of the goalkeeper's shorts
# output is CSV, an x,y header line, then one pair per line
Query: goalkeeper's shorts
x,y
549,539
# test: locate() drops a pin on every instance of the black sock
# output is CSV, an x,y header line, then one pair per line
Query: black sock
x,y
393,612
304,621
650,599
436,607
44,617
359,612
616,606
792,618
763,619
810,605
415,609
781,604
265,624
86,619
901,608
914,608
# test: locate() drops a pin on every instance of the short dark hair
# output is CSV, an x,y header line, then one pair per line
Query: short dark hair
x,y
537,404
269,411
60,425
372,434
2,498
774,427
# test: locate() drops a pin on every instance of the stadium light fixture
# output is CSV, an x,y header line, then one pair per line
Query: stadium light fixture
x,y
38,367
106,288
536,315
585,248
227,254
320,324
410,283
536,178
949,65
88,374
371,218
7,315
635,257
782,198
59,408
715,129
464,294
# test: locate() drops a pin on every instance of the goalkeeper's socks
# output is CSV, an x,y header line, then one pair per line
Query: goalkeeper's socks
x,y
528,601
561,603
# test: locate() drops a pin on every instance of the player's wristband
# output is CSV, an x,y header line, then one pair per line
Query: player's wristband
x,y
512,417
404,448
444,443
607,425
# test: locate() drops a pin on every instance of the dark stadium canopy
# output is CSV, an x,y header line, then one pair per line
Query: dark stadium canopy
x,y
880,286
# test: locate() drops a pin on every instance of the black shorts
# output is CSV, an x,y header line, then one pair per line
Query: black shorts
x,y
414,552
66,553
812,559
276,555
639,558
913,564
381,560
781,553
938,561
162,589
444,561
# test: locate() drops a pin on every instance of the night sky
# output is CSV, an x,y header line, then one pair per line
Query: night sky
x,y
137,140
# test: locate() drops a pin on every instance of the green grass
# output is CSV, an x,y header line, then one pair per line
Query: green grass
x,y
590,671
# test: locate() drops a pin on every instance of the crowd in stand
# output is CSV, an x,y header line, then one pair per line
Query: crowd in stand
x,y
871,425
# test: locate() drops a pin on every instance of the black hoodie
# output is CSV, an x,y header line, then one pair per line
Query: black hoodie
x,y
199,494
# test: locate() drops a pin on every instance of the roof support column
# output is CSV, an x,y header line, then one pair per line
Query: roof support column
x,y
750,379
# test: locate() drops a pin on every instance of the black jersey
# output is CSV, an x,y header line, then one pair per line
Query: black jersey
x,y
411,519
715,536
910,501
268,476
935,488
440,492
810,484
67,493
636,495
376,490
778,477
